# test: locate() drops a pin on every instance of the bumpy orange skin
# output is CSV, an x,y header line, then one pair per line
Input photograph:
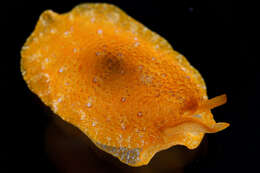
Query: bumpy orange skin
x,y
120,83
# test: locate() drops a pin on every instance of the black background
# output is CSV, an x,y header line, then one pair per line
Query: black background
x,y
216,36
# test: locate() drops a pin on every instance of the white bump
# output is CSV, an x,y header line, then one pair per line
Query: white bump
x,y
145,29
100,31
135,38
89,104
163,75
59,100
123,99
83,116
179,56
35,56
197,116
139,114
47,76
157,46
136,44
66,33
183,69
55,108
55,104
71,17
153,58
140,67
75,50
94,79
142,142
53,31
41,34
25,47
123,126
35,39
44,22
61,70
23,72
94,123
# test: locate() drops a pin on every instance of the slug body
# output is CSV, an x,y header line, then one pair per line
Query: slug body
x,y
118,82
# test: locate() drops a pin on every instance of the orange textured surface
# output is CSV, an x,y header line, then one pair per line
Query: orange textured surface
x,y
118,82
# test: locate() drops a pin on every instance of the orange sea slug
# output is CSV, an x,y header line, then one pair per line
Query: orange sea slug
x,y
117,81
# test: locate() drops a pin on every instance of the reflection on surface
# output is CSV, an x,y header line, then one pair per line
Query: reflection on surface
x,y
73,152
